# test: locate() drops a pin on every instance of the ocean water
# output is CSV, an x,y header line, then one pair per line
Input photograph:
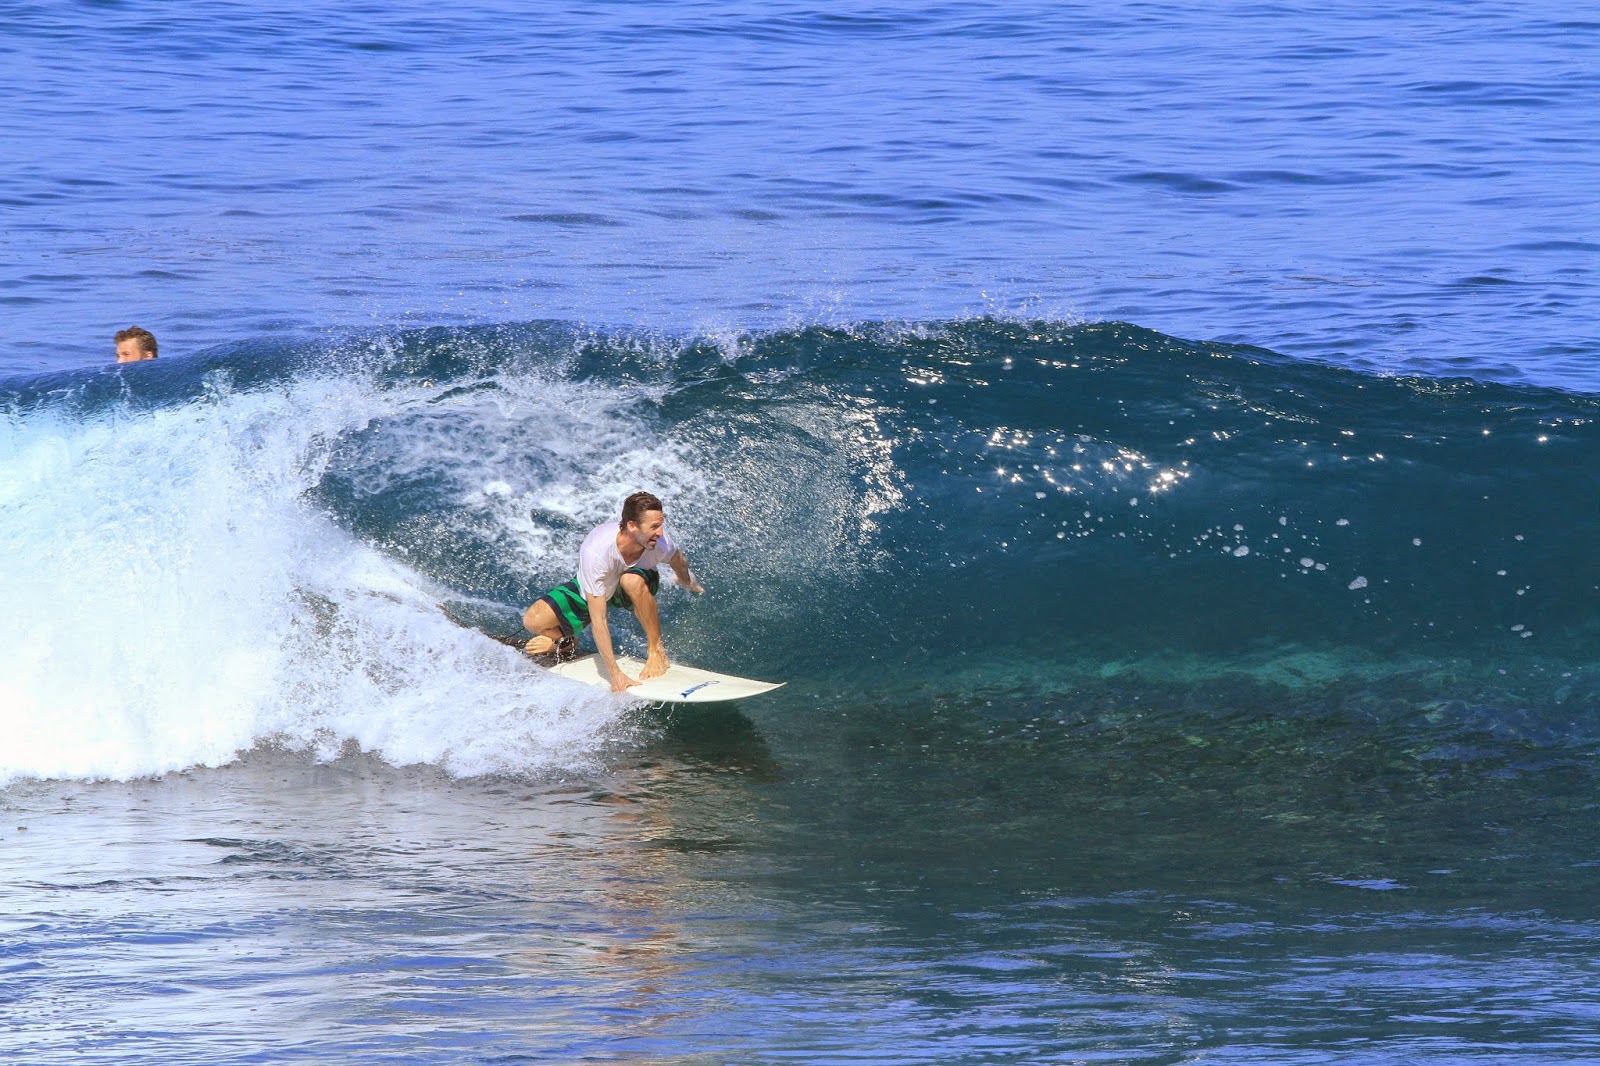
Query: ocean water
x,y
1153,443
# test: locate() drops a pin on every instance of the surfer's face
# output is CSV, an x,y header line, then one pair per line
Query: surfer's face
x,y
647,532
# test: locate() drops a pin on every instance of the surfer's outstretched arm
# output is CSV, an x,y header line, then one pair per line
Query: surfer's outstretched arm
x,y
680,568
602,643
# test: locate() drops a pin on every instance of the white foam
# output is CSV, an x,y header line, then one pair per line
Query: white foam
x,y
173,598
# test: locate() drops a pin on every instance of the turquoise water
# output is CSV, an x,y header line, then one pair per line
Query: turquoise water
x,y
1154,447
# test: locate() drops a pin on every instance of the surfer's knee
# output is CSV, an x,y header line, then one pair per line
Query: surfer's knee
x,y
540,618
636,587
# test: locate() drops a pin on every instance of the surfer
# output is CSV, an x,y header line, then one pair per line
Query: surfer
x,y
135,345
618,567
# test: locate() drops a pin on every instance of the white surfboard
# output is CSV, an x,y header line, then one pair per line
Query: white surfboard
x,y
680,684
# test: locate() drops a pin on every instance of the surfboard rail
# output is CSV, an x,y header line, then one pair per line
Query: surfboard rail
x,y
680,684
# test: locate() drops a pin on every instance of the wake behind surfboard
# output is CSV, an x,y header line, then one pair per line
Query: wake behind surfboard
x,y
680,684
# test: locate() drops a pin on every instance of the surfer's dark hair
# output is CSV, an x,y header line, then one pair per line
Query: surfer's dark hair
x,y
146,339
634,507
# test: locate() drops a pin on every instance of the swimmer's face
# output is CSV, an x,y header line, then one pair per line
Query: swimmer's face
x,y
131,351
646,533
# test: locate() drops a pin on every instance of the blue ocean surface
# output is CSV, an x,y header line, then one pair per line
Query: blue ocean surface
x,y
1155,444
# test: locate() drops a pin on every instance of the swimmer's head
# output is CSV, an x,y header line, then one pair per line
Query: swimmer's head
x,y
135,345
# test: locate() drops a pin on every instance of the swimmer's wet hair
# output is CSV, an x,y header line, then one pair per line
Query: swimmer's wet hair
x,y
146,339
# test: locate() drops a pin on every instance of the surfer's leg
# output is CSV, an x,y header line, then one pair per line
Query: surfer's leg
x,y
555,620
640,590
540,620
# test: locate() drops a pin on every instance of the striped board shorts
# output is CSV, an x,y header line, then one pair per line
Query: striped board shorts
x,y
572,610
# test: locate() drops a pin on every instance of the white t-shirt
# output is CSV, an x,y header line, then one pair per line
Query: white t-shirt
x,y
600,564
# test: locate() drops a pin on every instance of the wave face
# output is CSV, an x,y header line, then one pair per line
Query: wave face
x,y
997,516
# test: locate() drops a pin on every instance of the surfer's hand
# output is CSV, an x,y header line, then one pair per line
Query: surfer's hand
x,y
693,584
654,666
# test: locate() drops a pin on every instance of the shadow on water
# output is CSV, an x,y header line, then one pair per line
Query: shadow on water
x,y
712,738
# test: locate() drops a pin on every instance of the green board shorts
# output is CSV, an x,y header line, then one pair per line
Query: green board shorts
x,y
572,610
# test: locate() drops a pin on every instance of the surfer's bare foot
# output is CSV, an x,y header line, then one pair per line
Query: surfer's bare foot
x,y
654,666
543,648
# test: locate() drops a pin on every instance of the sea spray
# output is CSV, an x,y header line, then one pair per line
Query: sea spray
x,y
176,597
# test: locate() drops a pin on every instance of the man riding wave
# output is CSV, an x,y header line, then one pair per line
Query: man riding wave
x,y
618,566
